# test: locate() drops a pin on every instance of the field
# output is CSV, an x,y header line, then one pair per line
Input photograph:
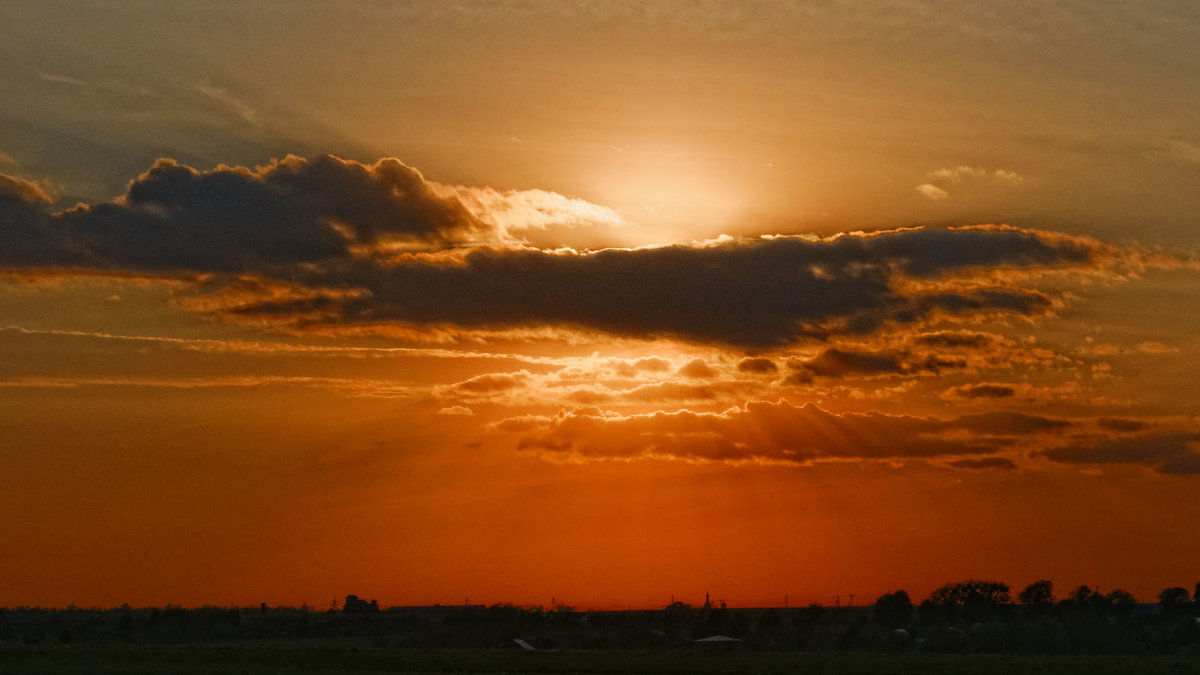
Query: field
x,y
279,660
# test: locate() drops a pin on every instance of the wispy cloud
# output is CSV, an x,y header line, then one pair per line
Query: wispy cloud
x,y
1183,151
1153,347
226,97
932,191
939,181
60,79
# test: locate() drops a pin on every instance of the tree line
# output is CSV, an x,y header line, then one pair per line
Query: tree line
x,y
968,616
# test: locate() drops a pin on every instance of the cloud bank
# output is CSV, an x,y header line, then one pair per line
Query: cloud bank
x,y
750,294
331,243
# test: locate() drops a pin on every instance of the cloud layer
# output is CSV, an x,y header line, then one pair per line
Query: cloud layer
x,y
779,432
333,243
752,294
1170,452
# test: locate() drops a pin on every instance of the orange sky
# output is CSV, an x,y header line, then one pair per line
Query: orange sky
x,y
605,304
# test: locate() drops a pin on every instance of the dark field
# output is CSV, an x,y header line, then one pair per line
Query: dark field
x,y
286,659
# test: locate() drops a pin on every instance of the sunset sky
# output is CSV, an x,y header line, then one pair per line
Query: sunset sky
x,y
601,302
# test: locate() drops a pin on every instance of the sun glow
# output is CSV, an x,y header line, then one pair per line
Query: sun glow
x,y
671,194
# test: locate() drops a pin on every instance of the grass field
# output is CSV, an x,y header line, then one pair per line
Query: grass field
x,y
278,660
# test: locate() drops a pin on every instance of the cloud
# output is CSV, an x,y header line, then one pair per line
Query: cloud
x,y
752,294
328,244
987,390
838,363
595,381
960,339
23,191
1121,424
60,79
652,364
648,364
938,181
697,369
1157,348
1183,151
777,432
984,463
456,410
959,174
513,211
932,191
1007,424
841,363
225,97
757,365
1173,452
295,211
493,383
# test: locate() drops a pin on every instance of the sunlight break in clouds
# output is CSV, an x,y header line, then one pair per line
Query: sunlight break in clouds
x,y
514,211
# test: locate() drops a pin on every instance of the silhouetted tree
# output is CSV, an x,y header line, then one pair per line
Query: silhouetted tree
x,y
975,600
1121,602
966,592
1037,596
1083,596
356,605
893,609
1173,600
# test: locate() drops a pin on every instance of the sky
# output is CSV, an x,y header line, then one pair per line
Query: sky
x,y
596,303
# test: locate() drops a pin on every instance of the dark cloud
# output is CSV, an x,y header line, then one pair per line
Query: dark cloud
x,y
1007,424
24,191
1121,424
958,339
1176,452
176,219
766,431
839,363
926,253
974,391
321,227
757,365
984,463
750,294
